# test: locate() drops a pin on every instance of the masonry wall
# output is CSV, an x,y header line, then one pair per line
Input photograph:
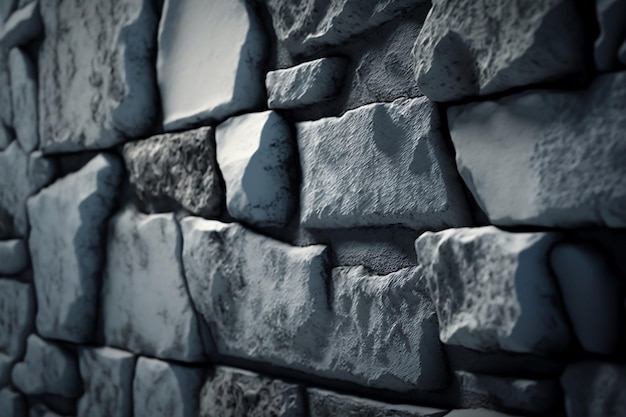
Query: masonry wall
x,y
312,208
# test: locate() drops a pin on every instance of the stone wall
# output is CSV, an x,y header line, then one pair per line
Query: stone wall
x,y
312,208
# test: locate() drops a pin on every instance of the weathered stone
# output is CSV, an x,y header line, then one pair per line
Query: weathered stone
x,y
5,136
304,84
24,99
547,158
12,403
256,156
610,15
67,243
108,375
230,392
219,74
165,389
6,8
378,165
97,84
47,369
179,167
476,412
13,256
493,289
595,389
6,113
480,47
22,27
145,305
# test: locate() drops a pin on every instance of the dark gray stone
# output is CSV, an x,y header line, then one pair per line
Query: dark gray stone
x,y
22,27
595,389
13,256
610,15
12,403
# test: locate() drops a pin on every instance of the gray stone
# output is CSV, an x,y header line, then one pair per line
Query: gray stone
x,y
165,389
96,73
480,47
179,167
493,289
22,27
5,136
622,53
476,412
24,99
230,392
595,389
6,8
13,256
108,377
546,158
12,403
305,84
21,175
217,75
610,14
6,112
67,243
47,369
40,410
379,165
145,305
256,156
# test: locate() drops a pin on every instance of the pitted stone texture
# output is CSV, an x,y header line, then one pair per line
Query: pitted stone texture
x,y
305,84
67,242
480,47
547,158
230,392
610,15
47,369
24,99
13,256
493,289
219,74
6,112
96,73
21,175
145,305
256,156
22,27
595,389
379,165
164,389
179,167
108,377
330,404
12,403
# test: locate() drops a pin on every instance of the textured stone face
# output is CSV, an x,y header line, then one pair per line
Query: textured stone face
x,y
547,158
612,33
145,304
96,73
179,167
594,389
379,165
474,47
67,241
493,289
217,75
256,156
13,256
23,26
24,99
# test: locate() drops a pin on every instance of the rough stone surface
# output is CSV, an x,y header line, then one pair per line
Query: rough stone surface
x,y
5,136
547,158
610,14
217,75
13,256
6,113
23,26
179,167
595,389
21,176
164,389
12,403
96,73
481,47
47,369
145,305
24,99
6,8
67,241
230,392
108,376
493,289
256,156
378,165
304,84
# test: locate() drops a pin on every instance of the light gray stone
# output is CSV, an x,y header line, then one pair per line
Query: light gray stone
x,y
97,84
305,84
6,112
13,256
24,99
610,15
108,378
5,136
177,166
47,369
493,289
217,75
546,158
12,403
164,389
67,243
145,304
480,47
256,156
6,8
230,392
22,27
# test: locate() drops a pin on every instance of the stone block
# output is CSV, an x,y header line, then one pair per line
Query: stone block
x,y
594,389
13,256
24,99
23,26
